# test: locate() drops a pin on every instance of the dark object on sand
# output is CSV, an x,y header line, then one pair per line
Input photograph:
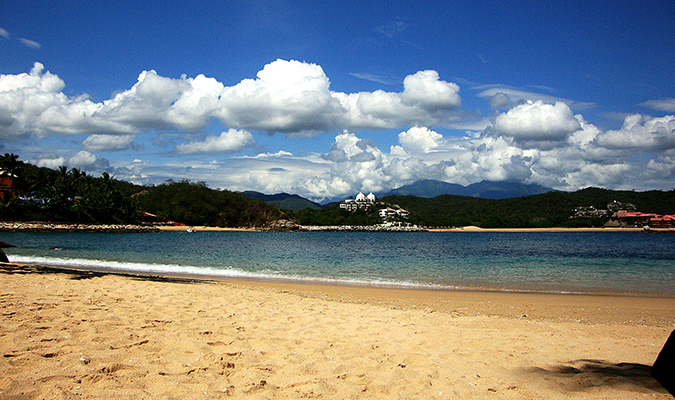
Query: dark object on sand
x,y
3,256
664,366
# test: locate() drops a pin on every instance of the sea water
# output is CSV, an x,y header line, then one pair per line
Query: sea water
x,y
559,262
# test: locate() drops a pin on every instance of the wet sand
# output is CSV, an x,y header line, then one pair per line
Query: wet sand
x,y
67,333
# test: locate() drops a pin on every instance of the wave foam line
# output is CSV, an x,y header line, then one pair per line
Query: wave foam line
x,y
174,269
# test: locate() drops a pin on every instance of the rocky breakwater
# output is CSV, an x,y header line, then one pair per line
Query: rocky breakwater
x,y
49,227
365,228
284,225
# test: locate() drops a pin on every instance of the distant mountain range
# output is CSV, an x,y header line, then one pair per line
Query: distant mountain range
x,y
423,188
485,190
284,201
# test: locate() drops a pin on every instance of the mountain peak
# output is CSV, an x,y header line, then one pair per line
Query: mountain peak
x,y
485,189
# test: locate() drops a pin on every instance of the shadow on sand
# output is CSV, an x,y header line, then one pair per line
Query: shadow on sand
x,y
579,375
78,274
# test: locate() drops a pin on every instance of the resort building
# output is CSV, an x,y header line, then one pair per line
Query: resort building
x,y
636,218
617,205
393,213
589,212
361,201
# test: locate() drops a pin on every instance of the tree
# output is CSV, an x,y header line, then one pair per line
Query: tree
x,y
10,164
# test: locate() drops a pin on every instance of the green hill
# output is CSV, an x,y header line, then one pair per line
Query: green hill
x,y
70,195
196,204
284,201
551,209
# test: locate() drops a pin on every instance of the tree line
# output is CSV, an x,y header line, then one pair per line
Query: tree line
x,y
72,196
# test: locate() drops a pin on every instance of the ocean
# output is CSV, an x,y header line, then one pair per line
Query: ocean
x,y
552,262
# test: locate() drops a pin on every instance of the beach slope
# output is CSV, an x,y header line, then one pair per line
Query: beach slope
x,y
73,334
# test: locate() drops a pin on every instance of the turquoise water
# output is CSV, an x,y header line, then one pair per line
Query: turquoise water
x,y
630,262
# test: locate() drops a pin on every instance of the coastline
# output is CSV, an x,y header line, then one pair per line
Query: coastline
x,y
479,229
52,227
98,335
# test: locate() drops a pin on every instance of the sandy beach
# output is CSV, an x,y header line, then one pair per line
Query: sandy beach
x,y
74,334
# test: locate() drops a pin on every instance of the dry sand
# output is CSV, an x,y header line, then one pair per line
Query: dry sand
x,y
71,334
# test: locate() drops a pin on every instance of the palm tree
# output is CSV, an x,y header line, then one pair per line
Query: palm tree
x,y
11,165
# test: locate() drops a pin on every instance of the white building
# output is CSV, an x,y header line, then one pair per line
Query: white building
x,y
361,201
391,213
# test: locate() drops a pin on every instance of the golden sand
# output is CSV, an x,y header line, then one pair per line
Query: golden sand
x,y
72,334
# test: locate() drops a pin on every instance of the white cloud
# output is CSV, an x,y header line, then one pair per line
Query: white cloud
x,y
108,142
372,77
667,105
426,100
290,97
419,140
230,141
83,159
537,121
429,92
356,164
159,102
30,43
4,33
393,28
641,132
504,97
535,141
49,160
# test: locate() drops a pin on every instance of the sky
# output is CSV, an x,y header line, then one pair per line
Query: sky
x,y
326,99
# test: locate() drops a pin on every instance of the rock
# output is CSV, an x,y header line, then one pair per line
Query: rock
x,y
284,225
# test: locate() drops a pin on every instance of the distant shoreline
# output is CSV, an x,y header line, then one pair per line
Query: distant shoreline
x,y
52,227
479,229
458,229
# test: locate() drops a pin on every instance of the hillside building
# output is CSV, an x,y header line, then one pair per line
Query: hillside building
x,y
393,213
361,201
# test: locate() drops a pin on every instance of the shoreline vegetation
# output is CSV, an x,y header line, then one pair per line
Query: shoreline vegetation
x,y
131,336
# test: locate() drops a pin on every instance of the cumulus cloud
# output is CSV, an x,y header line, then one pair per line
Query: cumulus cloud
x,y
49,160
427,90
537,121
641,132
536,141
83,159
419,140
354,163
108,142
426,100
230,141
4,33
289,97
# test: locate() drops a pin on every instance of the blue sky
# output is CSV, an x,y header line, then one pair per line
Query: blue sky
x,y
325,100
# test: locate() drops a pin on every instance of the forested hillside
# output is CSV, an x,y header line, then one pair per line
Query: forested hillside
x,y
540,211
196,204
70,195
64,195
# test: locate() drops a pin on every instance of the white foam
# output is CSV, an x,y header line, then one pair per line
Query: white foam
x,y
227,272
